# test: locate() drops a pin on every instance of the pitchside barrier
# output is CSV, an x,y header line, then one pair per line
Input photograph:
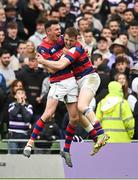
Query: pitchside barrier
x,y
115,160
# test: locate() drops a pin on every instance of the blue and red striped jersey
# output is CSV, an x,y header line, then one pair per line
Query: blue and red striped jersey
x,y
53,51
80,61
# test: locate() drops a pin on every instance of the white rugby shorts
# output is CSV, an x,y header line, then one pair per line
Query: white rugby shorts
x,y
65,90
90,81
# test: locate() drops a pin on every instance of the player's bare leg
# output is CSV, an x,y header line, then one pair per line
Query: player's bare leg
x,y
83,107
39,125
70,131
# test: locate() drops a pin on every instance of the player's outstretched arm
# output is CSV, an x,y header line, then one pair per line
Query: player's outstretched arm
x,y
54,65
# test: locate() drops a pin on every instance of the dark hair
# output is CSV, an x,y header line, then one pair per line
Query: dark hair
x,y
48,24
88,30
86,5
112,20
54,9
122,1
105,27
128,10
59,5
72,32
121,59
40,21
89,13
133,23
19,89
32,56
12,25
125,87
14,83
4,51
81,19
95,56
123,33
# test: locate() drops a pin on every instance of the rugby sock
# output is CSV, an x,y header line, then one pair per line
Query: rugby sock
x,y
93,135
70,131
92,132
97,126
38,127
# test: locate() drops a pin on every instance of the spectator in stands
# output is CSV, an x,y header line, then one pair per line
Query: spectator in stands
x,y
12,40
30,49
39,34
16,84
133,97
2,37
124,38
21,53
135,10
2,19
20,115
93,23
103,70
128,17
82,27
54,14
103,48
121,66
123,80
122,6
118,48
13,16
2,101
66,19
106,32
115,115
5,68
103,10
133,40
133,102
89,41
30,11
114,27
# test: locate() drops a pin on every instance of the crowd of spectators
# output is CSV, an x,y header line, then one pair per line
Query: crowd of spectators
x,y
108,31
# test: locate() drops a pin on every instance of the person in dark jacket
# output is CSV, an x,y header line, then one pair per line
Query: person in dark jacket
x,y
20,115
2,101
32,77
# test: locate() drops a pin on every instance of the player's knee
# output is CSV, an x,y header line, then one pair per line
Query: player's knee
x,y
74,119
81,108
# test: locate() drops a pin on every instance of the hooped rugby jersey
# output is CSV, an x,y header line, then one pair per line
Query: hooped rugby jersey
x,y
53,51
80,61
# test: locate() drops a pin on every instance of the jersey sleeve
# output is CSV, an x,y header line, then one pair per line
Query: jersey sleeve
x,y
44,52
73,54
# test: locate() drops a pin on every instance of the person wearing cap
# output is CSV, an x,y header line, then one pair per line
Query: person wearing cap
x,y
118,48
103,48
